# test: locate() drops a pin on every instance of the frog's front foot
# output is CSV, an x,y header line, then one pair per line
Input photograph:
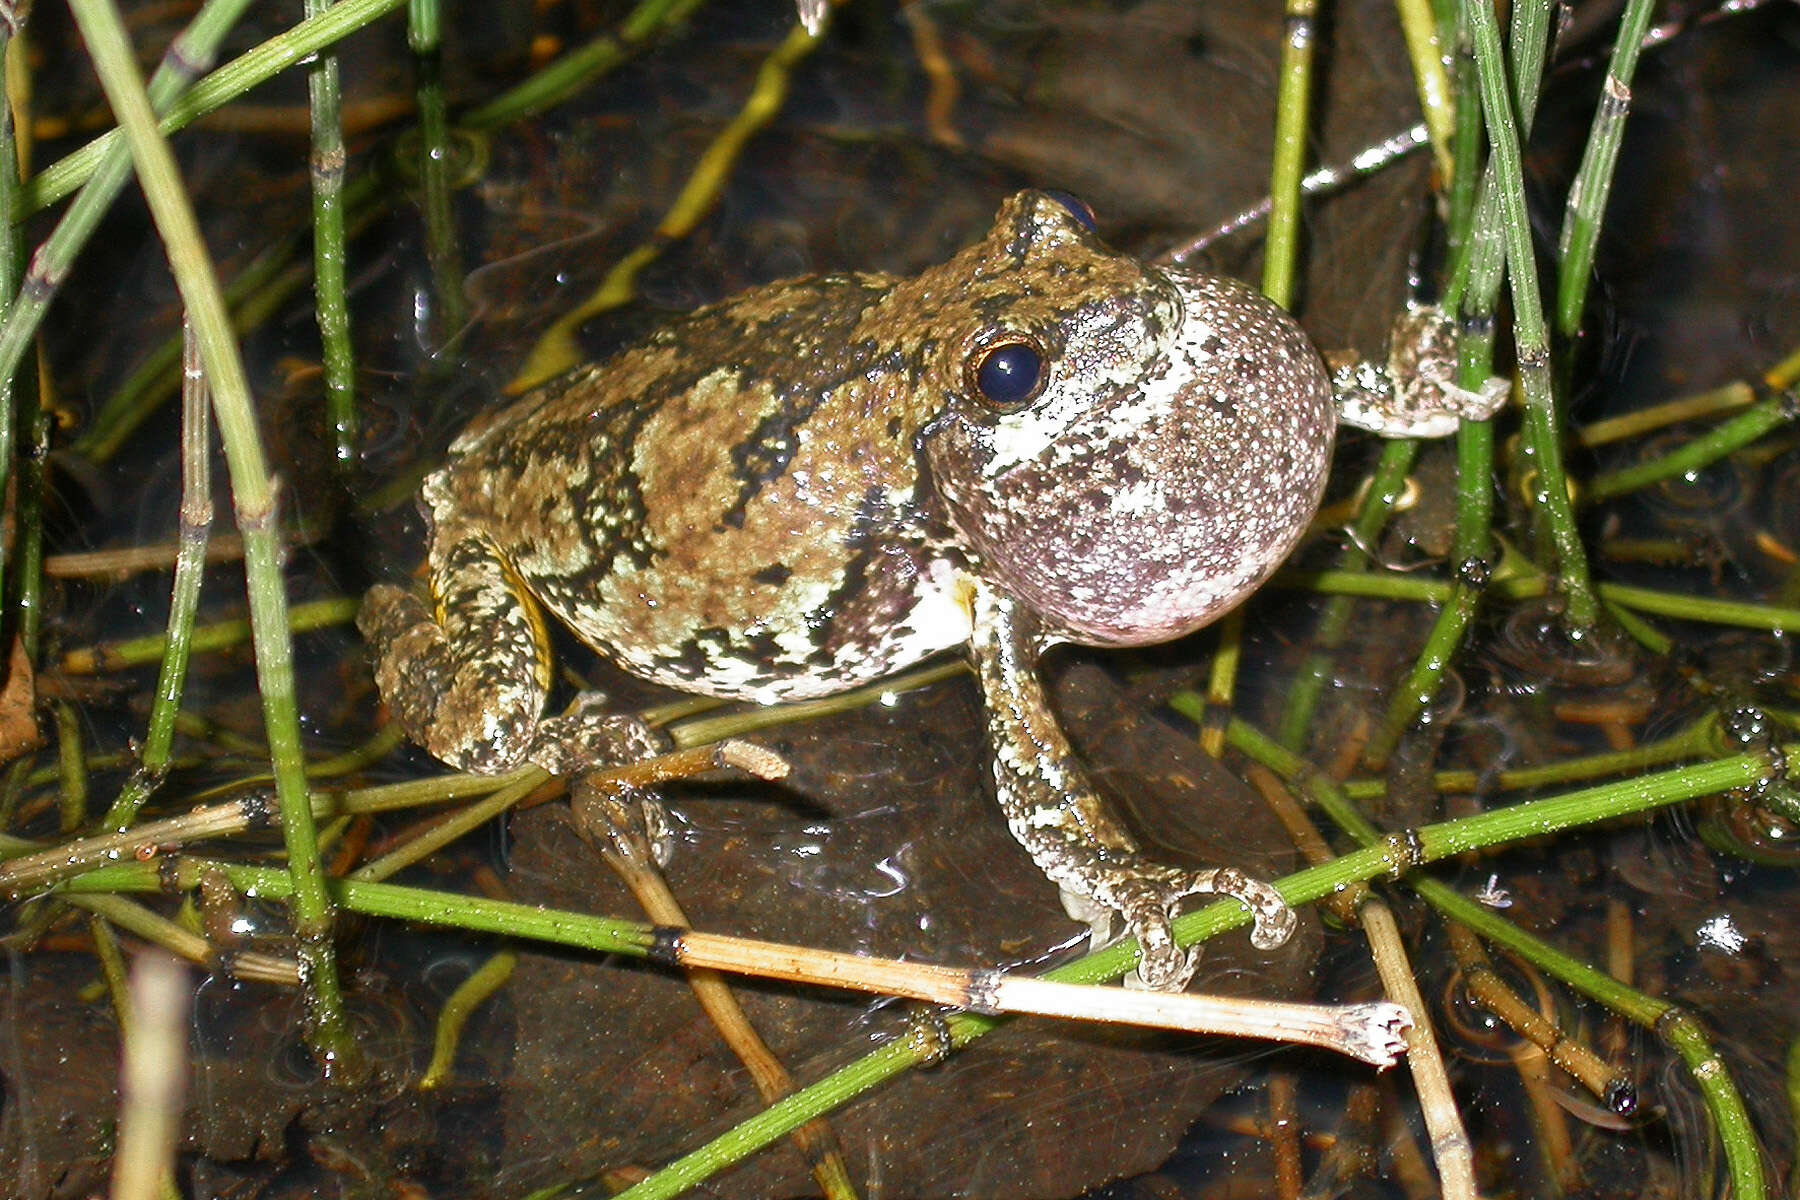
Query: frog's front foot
x,y
1415,392
1148,896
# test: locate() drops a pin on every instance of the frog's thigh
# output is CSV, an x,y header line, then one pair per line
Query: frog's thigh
x,y
466,682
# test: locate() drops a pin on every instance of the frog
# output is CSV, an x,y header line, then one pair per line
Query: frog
x,y
816,483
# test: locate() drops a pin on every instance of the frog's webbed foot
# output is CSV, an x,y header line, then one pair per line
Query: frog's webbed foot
x,y
590,735
1149,895
1414,393
628,825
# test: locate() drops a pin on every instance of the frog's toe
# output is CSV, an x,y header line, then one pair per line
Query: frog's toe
x,y
1170,974
1273,918
1163,966
629,822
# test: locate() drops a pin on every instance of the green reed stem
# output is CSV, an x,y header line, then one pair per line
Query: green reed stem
x,y
1636,628
1593,180
1467,146
159,930
1474,284
112,969
1793,1089
1531,818
374,748
253,496
1543,447
1700,739
1470,548
1711,611
328,166
568,75
1700,406
444,832
1678,1030
1386,485
1293,117
184,592
461,1004
424,36
476,914
221,87
1222,677
22,415
29,517
221,635
1424,49
72,796
11,209
1281,254
1698,454
1473,540
1384,586
1412,694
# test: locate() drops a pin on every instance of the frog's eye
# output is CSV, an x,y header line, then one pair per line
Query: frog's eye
x,y
1007,374
1084,216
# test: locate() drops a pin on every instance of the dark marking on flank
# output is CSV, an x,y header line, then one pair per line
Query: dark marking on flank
x,y
773,575
689,662
761,647
810,382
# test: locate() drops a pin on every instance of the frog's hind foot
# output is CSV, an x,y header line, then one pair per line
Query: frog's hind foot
x,y
591,735
1149,898
628,825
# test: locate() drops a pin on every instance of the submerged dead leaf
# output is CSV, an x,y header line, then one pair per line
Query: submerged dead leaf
x,y
18,707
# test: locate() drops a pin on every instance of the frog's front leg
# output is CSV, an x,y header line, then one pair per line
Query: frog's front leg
x,y
467,678
1067,828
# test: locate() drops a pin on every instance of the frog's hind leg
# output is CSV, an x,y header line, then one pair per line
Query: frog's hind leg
x,y
468,680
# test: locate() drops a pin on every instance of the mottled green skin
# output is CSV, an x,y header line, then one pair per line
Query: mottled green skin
x,y
802,489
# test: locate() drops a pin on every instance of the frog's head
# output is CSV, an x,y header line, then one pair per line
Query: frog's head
x,y
1131,450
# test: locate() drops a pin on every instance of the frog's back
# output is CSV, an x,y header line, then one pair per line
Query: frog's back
x,y
731,507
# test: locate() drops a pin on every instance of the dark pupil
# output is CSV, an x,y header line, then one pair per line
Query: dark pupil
x,y
1009,374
